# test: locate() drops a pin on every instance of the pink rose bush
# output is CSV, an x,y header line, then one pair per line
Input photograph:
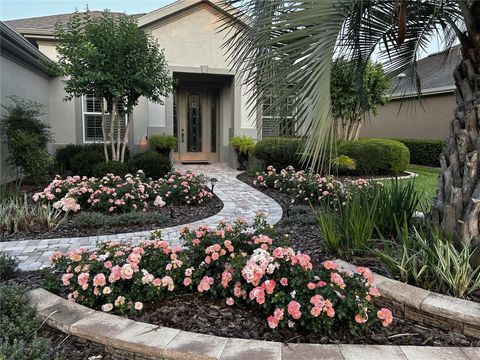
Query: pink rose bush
x,y
307,187
114,194
243,266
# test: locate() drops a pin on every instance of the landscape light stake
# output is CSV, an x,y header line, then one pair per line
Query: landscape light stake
x,y
213,181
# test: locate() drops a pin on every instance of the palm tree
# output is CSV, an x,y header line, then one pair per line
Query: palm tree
x,y
289,45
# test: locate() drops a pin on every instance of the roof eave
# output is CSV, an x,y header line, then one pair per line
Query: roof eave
x,y
424,92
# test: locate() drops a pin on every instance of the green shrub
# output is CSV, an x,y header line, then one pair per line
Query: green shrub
x,y
83,163
376,156
27,138
111,167
8,267
424,152
162,141
18,322
93,153
280,152
153,164
91,220
97,220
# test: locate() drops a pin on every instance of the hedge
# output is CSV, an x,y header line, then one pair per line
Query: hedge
x,y
152,163
279,152
424,152
376,156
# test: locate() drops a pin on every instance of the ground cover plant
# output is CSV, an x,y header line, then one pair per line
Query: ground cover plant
x,y
241,266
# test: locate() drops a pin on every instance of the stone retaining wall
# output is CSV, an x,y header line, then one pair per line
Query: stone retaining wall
x,y
426,307
128,339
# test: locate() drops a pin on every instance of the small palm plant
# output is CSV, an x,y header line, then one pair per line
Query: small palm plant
x,y
243,145
343,163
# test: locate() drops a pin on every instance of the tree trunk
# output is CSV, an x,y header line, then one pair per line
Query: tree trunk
x,y
105,150
119,129
125,139
457,204
113,114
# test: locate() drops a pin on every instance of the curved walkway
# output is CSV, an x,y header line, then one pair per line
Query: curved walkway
x,y
239,200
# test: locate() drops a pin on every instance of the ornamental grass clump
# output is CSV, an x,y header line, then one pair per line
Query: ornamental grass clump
x,y
115,194
243,266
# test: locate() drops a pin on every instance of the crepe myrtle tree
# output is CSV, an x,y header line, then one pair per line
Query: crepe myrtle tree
x,y
111,58
349,109
302,37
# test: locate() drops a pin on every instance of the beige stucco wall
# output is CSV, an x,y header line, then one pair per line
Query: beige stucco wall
x,y
27,84
63,118
428,119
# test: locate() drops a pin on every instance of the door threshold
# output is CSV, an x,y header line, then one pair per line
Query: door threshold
x,y
195,162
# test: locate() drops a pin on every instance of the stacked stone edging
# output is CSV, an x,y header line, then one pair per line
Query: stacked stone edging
x,y
129,339
426,307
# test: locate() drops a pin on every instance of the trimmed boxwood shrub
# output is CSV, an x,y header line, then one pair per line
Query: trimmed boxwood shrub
x,y
111,167
376,156
424,152
80,159
279,152
153,164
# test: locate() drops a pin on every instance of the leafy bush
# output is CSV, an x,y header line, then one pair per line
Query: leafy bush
x,y
111,167
376,156
27,139
80,159
114,194
83,163
8,267
280,152
18,322
153,164
424,152
243,144
162,141
235,263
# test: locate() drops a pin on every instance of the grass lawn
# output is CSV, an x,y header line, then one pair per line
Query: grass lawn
x,y
425,183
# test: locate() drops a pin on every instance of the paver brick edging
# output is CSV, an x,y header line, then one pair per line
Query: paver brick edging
x,y
133,339
426,307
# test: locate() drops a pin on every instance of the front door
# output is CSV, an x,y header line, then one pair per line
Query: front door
x,y
197,120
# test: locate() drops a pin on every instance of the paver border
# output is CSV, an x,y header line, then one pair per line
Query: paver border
x,y
130,339
425,306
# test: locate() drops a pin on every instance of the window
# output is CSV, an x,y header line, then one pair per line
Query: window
x,y
275,125
92,120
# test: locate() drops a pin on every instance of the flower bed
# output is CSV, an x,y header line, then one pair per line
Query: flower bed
x,y
114,194
307,187
240,266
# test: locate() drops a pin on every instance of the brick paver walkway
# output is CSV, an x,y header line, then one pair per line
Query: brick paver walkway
x,y
239,199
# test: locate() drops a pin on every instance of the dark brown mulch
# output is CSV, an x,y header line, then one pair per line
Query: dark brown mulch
x,y
196,313
173,215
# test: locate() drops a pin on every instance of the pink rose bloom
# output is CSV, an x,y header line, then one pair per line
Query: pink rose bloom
x,y
258,294
337,280
284,281
107,264
321,283
278,314
293,309
55,256
330,312
360,319
205,284
374,292
189,272
386,316
316,311
269,286
272,322
157,282
229,301
115,274
311,286
138,306
215,256
330,265
83,280
187,281
366,272
127,271
66,279
99,280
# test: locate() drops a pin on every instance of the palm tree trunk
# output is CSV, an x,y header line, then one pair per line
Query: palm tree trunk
x,y
457,204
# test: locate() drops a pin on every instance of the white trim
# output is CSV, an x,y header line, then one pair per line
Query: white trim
x,y
430,91
93,113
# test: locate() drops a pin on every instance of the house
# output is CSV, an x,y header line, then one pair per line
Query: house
x,y
206,110
407,117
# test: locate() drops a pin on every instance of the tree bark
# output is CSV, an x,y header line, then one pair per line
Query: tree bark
x,y
113,114
457,204
119,129
105,150
125,139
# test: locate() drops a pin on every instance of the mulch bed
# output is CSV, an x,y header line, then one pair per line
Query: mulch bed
x,y
172,215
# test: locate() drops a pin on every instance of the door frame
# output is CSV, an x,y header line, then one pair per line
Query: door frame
x,y
206,92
